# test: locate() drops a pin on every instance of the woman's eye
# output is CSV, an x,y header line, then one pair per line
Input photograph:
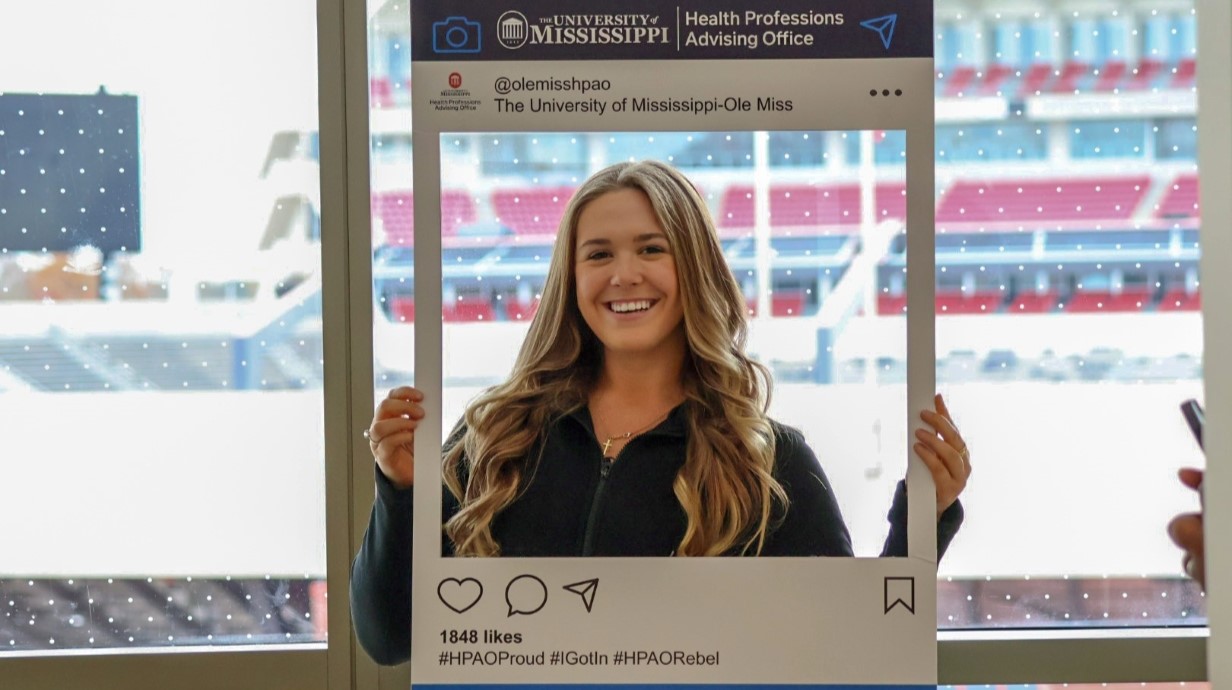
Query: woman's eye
x,y
654,249
594,256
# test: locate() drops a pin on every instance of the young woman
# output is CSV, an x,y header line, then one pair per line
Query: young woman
x,y
633,423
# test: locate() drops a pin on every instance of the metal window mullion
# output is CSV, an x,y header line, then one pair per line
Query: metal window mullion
x,y
347,315
1067,657
252,668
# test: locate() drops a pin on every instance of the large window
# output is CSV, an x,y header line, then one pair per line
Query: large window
x,y
161,362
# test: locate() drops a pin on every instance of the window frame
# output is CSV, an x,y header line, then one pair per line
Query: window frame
x,y
342,108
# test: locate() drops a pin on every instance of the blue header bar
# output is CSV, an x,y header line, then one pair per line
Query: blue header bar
x,y
518,30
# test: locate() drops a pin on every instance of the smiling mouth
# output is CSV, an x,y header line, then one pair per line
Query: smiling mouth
x,y
631,306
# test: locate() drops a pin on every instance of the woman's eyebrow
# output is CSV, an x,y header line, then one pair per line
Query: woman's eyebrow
x,y
644,237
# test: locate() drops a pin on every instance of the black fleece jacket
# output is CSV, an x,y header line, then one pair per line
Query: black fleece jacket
x,y
575,503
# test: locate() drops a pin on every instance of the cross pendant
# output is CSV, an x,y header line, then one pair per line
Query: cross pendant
x,y
606,445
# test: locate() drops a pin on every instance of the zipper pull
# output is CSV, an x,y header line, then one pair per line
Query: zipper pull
x,y
606,468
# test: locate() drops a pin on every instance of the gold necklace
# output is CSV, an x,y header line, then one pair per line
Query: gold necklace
x,y
629,434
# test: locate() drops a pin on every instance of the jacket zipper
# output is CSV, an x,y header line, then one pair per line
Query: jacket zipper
x,y
605,470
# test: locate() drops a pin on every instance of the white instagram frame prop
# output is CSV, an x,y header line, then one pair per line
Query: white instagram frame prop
x,y
804,621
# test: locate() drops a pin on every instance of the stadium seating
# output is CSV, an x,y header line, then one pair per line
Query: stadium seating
x,y
1184,75
396,210
1024,202
799,205
531,211
1023,82
960,80
1144,76
1179,300
380,92
469,308
1181,199
891,305
994,79
1087,301
962,303
784,303
1036,78
402,309
517,310
1071,76
1033,303
1111,75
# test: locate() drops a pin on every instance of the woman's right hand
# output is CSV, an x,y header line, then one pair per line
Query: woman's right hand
x,y
391,435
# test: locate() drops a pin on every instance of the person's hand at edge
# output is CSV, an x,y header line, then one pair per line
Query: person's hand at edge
x,y
945,453
1186,531
391,435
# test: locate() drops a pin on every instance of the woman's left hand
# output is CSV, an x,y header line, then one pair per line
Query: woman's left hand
x,y
945,453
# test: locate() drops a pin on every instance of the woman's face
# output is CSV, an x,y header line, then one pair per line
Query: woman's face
x,y
625,275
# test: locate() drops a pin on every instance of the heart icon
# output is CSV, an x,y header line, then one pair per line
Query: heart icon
x,y
459,595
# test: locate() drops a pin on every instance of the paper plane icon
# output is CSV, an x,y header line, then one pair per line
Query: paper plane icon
x,y
585,589
884,26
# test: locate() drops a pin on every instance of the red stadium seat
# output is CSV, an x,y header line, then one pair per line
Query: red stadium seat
x,y
1145,74
471,308
380,92
1111,75
516,310
1089,301
802,205
1070,78
962,303
787,304
1033,303
1181,199
531,211
960,80
1025,202
397,213
783,303
1036,78
1185,74
891,305
1179,300
993,80
402,309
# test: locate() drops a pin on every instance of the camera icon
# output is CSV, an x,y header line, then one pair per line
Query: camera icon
x,y
456,35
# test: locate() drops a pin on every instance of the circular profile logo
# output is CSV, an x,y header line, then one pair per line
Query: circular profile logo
x,y
455,80
512,30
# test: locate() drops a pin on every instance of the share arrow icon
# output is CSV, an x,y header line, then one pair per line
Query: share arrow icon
x,y
585,589
884,26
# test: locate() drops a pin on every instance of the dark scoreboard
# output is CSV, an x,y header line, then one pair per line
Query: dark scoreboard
x,y
69,172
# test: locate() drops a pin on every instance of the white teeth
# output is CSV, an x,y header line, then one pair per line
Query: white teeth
x,y
626,307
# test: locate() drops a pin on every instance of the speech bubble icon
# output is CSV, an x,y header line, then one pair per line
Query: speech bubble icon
x,y
525,595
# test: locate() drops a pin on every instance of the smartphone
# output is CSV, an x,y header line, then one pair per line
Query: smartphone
x,y
1196,418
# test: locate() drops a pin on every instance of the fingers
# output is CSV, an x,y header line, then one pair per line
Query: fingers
x,y
405,402
953,462
939,402
1191,477
1186,532
943,423
948,485
382,431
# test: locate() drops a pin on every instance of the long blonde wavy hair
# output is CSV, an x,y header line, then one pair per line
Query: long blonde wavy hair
x,y
726,485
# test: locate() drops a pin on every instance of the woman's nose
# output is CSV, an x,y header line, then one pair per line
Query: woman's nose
x,y
626,271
